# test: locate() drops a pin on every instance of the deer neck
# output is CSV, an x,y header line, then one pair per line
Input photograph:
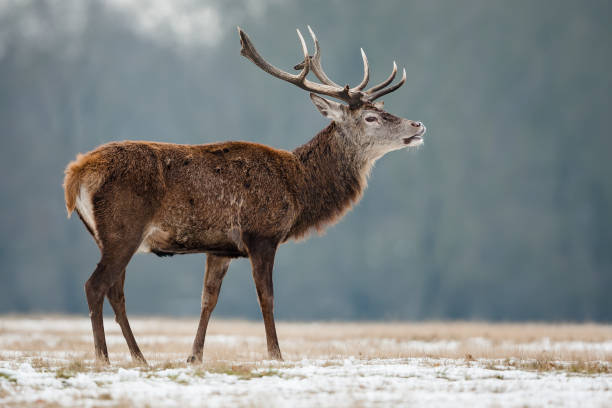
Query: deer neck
x,y
335,176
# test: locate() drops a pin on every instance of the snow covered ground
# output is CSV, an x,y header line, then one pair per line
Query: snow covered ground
x,y
349,382
48,362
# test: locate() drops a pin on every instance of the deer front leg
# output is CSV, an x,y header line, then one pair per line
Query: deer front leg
x,y
216,268
261,253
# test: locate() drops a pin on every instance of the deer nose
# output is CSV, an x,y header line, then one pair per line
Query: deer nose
x,y
416,124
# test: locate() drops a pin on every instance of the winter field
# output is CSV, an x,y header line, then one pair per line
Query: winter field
x,y
48,362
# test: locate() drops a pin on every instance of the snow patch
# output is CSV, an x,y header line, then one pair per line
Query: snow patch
x,y
342,383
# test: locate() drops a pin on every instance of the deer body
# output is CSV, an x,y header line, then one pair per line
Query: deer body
x,y
228,200
189,199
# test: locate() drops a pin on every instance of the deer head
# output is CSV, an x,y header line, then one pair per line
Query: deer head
x,y
363,122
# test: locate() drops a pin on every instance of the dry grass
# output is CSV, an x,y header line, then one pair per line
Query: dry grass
x,y
65,345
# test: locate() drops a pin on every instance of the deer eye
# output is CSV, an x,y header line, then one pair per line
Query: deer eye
x,y
371,119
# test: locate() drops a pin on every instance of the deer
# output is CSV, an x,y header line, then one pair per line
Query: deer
x,y
230,199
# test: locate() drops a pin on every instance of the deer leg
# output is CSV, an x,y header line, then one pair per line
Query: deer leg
x,y
261,253
116,298
216,267
114,260
94,289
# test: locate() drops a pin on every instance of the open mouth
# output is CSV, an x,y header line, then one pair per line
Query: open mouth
x,y
416,139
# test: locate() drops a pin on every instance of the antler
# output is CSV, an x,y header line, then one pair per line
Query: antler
x,y
353,96
375,95
315,66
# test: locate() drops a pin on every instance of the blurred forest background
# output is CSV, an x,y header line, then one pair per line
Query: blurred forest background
x,y
504,214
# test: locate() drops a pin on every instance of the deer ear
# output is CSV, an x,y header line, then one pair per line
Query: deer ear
x,y
329,109
379,104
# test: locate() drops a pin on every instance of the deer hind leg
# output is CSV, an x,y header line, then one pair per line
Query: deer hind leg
x,y
115,257
116,298
94,289
216,268
261,253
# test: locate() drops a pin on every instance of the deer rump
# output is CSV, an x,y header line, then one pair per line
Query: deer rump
x,y
178,199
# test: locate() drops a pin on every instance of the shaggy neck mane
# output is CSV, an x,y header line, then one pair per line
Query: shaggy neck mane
x,y
335,174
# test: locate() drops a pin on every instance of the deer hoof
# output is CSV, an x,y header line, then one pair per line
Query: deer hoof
x,y
194,360
275,356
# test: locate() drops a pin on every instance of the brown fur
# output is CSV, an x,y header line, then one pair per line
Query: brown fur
x,y
335,178
72,182
75,177
280,194
230,199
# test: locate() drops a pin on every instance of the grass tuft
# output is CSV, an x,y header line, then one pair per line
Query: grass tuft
x,y
576,367
8,377
72,369
242,371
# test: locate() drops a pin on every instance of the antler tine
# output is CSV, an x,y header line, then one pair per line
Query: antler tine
x,y
385,82
317,69
249,51
366,72
382,92
306,68
315,62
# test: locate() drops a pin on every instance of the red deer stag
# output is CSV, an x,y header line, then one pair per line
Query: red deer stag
x,y
230,199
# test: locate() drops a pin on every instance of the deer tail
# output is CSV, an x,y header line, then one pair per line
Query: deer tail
x,y
72,183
